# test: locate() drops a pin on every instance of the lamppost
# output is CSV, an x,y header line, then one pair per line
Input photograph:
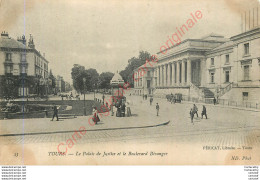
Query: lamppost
x,y
94,91
84,83
103,97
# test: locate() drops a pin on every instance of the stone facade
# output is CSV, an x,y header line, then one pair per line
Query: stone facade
x,y
213,66
24,71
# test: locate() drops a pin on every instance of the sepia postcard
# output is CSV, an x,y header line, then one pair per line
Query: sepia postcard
x,y
120,82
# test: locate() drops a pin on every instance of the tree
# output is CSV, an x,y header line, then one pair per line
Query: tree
x,y
104,80
133,63
53,80
93,78
78,72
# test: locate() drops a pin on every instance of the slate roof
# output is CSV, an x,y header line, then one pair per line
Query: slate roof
x,y
8,42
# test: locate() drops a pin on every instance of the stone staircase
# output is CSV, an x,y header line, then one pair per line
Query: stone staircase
x,y
227,89
207,93
201,92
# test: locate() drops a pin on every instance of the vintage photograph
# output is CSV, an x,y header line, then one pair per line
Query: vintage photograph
x,y
141,82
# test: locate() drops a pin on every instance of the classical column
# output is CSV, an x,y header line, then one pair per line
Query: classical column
x,y
164,75
203,72
177,73
188,72
169,74
157,75
161,75
183,72
173,73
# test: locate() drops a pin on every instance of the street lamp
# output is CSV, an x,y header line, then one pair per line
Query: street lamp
x,y
84,83
103,97
94,91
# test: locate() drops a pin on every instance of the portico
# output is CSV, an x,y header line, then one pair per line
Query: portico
x,y
179,73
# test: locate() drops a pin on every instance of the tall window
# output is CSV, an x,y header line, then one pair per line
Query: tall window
x,y
212,77
23,69
148,73
246,72
245,96
23,57
9,81
227,76
8,57
227,59
212,62
8,69
246,48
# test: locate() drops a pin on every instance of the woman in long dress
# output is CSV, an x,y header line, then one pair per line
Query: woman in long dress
x,y
95,115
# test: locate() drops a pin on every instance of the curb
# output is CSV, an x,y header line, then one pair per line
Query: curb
x,y
106,129
231,107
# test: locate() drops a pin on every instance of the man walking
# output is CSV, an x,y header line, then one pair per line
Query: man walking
x,y
151,100
195,110
157,108
191,115
204,112
214,101
172,98
55,112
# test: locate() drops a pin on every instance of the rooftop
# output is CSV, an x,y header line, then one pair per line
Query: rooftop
x,y
8,42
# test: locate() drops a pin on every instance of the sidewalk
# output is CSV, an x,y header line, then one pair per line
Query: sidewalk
x,y
13,127
222,106
212,105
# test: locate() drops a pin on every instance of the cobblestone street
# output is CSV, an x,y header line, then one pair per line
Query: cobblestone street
x,y
224,126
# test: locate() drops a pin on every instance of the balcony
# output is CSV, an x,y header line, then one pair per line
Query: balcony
x,y
8,62
8,73
23,74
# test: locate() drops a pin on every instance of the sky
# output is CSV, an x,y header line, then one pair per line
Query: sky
x,y
104,34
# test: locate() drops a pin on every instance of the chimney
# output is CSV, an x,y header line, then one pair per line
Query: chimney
x,y
22,40
4,34
31,43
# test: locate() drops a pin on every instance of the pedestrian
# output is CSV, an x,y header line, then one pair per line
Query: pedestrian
x,y
171,98
95,115
191,115
195,110
157,108
151,100
55,112
123,110
204,112
214,101
118,112
128,110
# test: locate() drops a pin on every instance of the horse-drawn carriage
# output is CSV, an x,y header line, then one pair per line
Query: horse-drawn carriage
x,y
174,97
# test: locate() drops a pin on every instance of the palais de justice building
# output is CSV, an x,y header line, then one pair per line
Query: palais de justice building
x,y
213,66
